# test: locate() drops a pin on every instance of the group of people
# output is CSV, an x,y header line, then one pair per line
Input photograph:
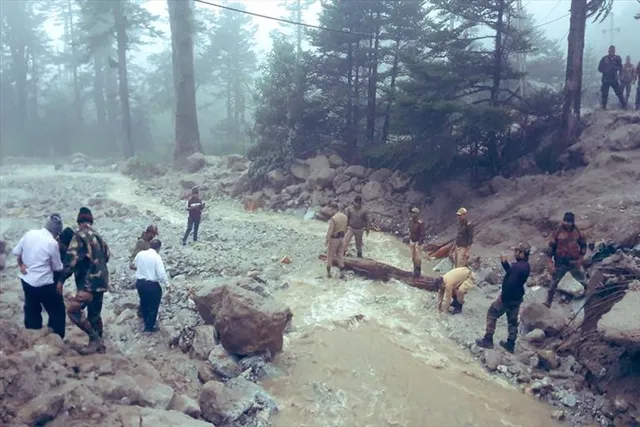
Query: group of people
x,y
47,257
620,77
565,252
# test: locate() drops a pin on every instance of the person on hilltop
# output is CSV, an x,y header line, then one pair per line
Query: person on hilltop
x,y
510,298
335,239
611,66
38,258
195,205
464,240
150,273
358,224
417,234
566,250
87,257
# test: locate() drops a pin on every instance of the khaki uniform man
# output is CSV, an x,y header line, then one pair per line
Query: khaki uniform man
x,y
464,240
358,224
416,240
454,285
335,239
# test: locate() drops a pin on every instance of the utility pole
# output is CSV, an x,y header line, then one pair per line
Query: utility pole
x,y
521,57
611,30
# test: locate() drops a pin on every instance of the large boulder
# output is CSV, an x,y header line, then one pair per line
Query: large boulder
x,y
300,171
570,286
241,185
380,175
372,190
226,403
195,162
535,315
318,163
246,322
336,161
399,182
277,179
236,163
356,170
321,178
340,179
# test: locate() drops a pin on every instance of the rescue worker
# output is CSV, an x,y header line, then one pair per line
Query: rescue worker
x,y
464,240
64,239
627,78
144,241
150,273
357,225
567,247
610,66
510,298
417,234
453,286
335,239
194,206
87,257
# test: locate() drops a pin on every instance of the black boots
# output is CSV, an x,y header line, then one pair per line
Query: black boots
x,y
341,276
417,271
508,345
359,255
457,307
485,342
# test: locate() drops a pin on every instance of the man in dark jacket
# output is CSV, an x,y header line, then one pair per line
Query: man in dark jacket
x,y
510,298
611,66
194,206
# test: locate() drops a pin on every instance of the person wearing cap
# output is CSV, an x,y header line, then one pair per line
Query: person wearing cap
x,y
510,298
464,240
144,240
358,224
150,273
335,239
453,286
195,205
87,258
566,250
38,258
417,233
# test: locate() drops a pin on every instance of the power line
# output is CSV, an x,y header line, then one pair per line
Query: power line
x,y
550,22
286,21
552,9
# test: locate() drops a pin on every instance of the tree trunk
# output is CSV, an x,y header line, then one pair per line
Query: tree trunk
x,y
392,93
187,136
373,87
74,66
98,93
111,86
376,270
573,75
123,80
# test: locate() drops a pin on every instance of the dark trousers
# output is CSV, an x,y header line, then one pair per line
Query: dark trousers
x,y
47,297
91,324
496,311
638,96
192,224
150,295
604,89
560,270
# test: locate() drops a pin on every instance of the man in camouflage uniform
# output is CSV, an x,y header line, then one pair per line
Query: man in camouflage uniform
x,y
627,78
510,298
464,240
358,224
87,257
144,241
567,248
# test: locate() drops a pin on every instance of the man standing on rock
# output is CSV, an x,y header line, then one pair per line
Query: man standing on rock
x,y
510,298
611,66
143,242
87,257
358,223
464,240
417,234
38,258
453,286
627,78
150,273
335,239
567,248
194,206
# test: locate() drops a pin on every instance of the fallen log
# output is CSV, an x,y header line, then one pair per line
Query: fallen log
x,y
376,270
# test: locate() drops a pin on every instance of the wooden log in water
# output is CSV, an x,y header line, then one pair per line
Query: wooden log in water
x,y
376,270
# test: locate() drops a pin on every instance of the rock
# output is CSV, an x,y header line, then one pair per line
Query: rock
x,y
416,198
340,179
118,388
356,170
318,163
159,418
548,359
380,175
570,286
488,275
492,359
558,415
276,179
344,188
154,393
206,373
399,182
372,190
535,315
246,322
223,364
319,198
259,366
321,178
203,341
335,161
236,163
536,336
241,185
186,405
195,162
569,400
300,171
541,385
42,409
324,214
225,403
444,266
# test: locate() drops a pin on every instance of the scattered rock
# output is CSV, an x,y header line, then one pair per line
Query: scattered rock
x,y
335,161
318,163
380,175
276,179
185,405
570,286
160,418
223,364
42,409
536,336
321,178
356,170
548,359
535,315
372,190
203,341
492,359
444,266
300,171
195,162
558,415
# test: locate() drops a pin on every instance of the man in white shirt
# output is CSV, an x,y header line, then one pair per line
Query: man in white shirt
x,y
150,272
38,258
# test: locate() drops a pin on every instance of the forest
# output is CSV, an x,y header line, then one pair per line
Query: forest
x,y
427,87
